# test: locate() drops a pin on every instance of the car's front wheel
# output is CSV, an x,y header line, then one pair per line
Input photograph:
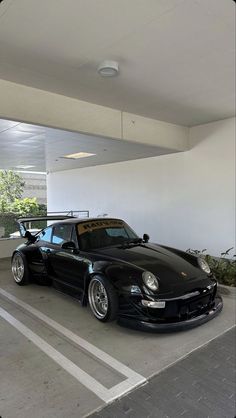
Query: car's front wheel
x,y
103,299
20,269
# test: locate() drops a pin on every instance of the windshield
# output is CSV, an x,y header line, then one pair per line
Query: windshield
x,y
104,233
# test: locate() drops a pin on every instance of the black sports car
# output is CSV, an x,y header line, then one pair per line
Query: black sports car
x,y
105,264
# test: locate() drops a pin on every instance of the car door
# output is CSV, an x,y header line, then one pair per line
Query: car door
x,y
68,265
43,245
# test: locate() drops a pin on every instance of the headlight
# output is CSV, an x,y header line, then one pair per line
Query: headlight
x,y
204,265
150,280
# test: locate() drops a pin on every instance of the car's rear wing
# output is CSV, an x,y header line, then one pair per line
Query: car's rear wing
x,y
22,221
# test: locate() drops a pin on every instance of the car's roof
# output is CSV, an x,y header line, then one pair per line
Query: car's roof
x,y
81,220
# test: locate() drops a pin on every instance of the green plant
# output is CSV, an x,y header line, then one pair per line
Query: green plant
x,y
28,206
11,188
223,267
8,222
13,207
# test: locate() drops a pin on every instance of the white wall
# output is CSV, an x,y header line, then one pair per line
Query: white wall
x,y
184,200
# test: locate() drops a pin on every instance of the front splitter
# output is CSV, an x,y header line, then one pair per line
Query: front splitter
x,y
173,326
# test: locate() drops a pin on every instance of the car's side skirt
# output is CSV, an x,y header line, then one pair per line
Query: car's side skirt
x,y
67,288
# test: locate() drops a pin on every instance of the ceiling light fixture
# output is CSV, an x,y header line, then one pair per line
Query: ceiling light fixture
x,y
108,68
78,155
24,167
31,172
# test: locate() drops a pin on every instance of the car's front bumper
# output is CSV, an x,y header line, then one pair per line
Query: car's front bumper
x,y
157,326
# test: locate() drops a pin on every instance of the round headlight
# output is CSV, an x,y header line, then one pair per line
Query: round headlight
x,y
150,280
204,265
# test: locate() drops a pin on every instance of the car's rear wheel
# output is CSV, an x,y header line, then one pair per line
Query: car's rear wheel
x,y
20,269
103,299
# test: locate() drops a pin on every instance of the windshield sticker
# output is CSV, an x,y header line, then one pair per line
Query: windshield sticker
x,y
91,226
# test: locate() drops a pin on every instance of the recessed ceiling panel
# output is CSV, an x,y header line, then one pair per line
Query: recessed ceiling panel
x,y
45,149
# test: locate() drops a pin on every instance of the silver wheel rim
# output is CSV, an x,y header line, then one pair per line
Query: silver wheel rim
x,y
98,299
18,268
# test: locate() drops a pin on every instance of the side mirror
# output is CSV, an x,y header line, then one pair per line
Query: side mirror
x,y
29,236
68,245
146,237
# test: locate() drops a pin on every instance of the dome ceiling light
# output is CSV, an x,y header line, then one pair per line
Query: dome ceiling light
x,y
108,68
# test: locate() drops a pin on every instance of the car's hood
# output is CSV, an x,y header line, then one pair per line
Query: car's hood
x,y
169,267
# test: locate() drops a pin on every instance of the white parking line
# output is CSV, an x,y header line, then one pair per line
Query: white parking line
x,y
65,363
132,380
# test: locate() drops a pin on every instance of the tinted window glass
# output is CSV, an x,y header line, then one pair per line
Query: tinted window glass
x,y
61,233
97,234
45,235
117,232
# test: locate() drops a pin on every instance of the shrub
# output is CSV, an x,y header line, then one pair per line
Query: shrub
x,y
223,268
8,223
21,208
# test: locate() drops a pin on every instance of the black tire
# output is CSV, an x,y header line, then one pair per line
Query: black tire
x,y
103,299
20,269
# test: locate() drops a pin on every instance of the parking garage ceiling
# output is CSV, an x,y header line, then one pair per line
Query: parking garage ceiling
x,y
176,57
33,148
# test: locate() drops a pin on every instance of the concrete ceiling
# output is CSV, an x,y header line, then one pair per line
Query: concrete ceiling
x,y
43,149
177,61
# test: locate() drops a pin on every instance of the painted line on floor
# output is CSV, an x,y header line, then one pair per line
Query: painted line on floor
x,y
96,352
132,380
59,358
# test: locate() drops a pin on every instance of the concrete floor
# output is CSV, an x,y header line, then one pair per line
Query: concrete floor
x,y
202,385
40,383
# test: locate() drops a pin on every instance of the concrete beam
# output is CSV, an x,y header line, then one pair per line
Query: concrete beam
x,y
34,106
155,132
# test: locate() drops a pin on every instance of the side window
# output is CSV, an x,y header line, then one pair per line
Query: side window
x,y
61,233
45,235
